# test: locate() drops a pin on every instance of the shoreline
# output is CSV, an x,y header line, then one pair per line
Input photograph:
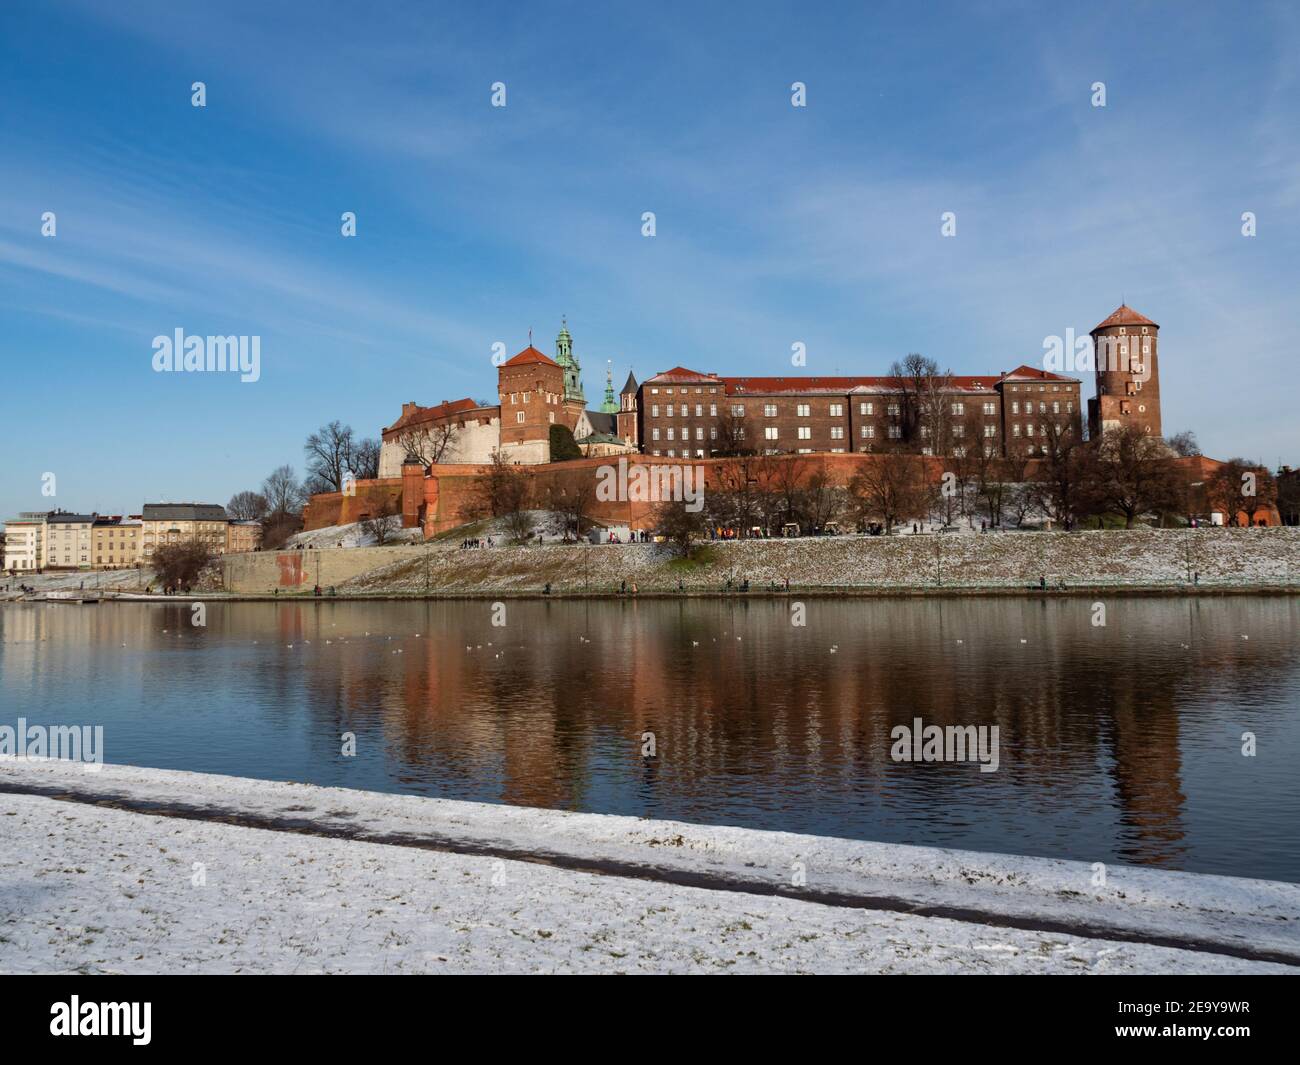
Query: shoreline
x,y
335,879
1156,591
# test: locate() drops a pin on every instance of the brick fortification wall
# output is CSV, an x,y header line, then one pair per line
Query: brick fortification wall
x,y
448,492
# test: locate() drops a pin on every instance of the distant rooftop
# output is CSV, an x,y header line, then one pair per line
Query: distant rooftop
x,y
184,512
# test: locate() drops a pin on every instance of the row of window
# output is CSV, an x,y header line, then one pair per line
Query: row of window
x,y
1042,407
686,410
552,398
835,410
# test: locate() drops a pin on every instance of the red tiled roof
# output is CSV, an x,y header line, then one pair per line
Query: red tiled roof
x,y
740,386
416,415
681,375
1024,372
1124,315
530,354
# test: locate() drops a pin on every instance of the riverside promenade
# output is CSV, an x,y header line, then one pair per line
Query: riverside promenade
x,y
129,870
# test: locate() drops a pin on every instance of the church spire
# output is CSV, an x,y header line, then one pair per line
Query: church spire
x,y
610,406
572,371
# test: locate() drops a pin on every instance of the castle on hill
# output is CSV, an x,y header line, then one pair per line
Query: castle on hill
x,y
686,414
535,393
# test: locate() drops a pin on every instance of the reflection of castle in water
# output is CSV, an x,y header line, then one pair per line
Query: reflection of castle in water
x,y
552,708
754,719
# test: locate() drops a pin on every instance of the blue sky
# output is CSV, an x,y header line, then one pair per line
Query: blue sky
x,y
775,224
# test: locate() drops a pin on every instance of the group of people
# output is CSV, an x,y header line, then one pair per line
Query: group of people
x,y
473,542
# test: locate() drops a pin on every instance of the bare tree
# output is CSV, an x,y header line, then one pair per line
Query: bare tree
x,y
1061,488
179,565
678,525
734,434
569,497
503,492
1130,474
892,488
736,500
247,506
365,459
1184,444
821,500
430,444
282,492
1244,487
990,483
329,455
383,524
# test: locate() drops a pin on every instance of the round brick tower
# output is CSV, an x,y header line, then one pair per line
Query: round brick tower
x,y
1127,373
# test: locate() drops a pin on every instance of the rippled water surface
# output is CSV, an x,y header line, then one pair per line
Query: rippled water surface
x,y
1118,743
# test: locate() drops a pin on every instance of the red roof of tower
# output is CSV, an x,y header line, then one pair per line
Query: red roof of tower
x,y
1124,315
531,354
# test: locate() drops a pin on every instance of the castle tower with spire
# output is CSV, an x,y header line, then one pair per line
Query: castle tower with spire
x,y
626,419
575,401
610,405
572,371
1127,374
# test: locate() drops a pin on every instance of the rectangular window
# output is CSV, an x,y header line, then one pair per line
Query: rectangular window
x,y
737,412
769,410
670,432
519,416
990,408
893,410
770,432
668,413
1015,406
654,410
801,410
837,410
866,408
895,432
990,430
837,432
959,409
713,408
868,431
805,432
699,409
654,433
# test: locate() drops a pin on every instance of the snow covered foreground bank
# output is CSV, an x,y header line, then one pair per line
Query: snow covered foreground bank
x,y
89,888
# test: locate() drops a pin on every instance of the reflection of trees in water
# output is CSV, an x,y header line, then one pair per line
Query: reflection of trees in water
x,y
772,720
